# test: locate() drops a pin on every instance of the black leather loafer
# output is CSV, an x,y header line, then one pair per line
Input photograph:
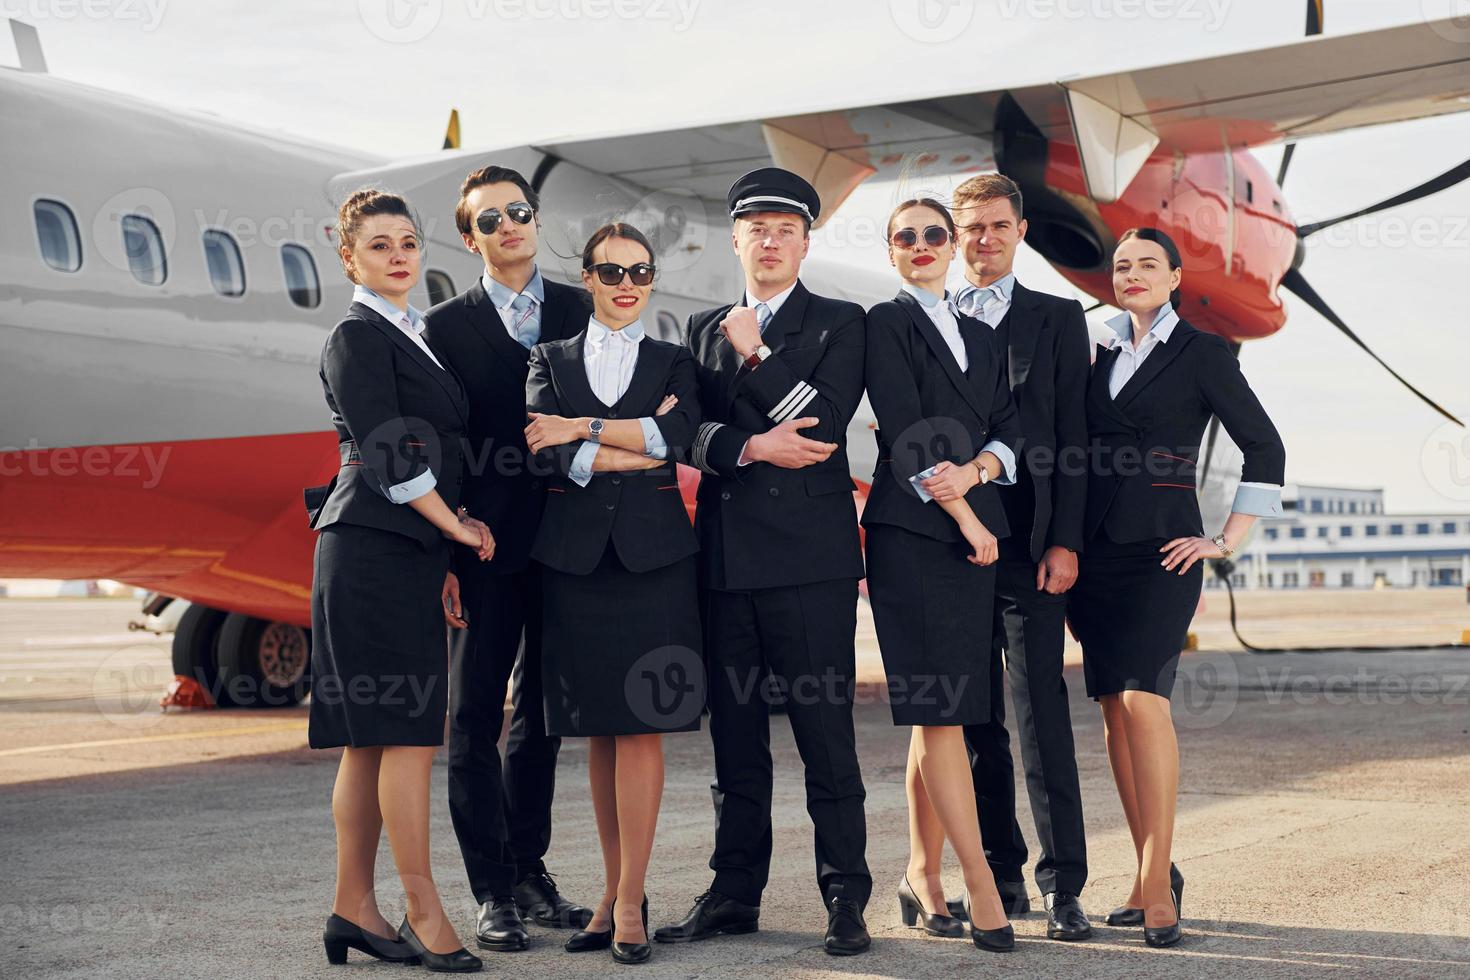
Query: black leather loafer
x,y
1065,919
713,914
499,928
537,899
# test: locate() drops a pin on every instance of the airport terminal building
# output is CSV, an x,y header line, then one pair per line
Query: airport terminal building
x,y
1342,538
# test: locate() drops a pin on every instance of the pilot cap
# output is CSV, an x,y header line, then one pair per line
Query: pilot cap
x,y
773,189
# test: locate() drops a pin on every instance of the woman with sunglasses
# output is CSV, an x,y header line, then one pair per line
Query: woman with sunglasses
x,y
946,433
1149,399
621,649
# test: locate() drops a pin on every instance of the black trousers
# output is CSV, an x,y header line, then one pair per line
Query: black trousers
x,y
1029,624
803,636
502,814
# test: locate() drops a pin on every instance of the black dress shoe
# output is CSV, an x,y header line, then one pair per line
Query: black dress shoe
x,y
1001,940
459,961
1126,915
1161,936
633,952
586,941
912,912
713,914
340,935
499,927
1013,897
1065,919
537,899
847,933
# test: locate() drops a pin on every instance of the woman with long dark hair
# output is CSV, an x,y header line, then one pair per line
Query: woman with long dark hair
x,y
1151,395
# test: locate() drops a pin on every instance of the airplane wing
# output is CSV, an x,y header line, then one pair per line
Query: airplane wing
x,y
1319,85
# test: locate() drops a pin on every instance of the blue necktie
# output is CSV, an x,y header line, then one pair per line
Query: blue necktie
x,y
763,315
527,331
975,300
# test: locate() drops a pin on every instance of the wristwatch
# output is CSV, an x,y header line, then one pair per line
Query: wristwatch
x,y
594,429
1225,550
984,473
756,356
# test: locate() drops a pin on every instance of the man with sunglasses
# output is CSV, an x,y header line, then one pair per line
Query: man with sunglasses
x,y
502,817
780,376
1046,342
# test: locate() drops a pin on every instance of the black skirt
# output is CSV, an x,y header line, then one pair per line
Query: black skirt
x,y
621,651
379,650
1131,616
932,610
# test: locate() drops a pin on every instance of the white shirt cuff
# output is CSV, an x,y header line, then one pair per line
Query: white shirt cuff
x,y
580,471
1258,500
743,461
1007,462
653,440
402,493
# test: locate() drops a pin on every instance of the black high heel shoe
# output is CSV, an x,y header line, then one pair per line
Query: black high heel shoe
x,y
1001,940
912,912
587,941
1170,934
341,935
1125,915
631,952
459,961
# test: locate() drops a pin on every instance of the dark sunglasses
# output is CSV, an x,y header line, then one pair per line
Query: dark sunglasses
x,y
934,236
488,220
610,273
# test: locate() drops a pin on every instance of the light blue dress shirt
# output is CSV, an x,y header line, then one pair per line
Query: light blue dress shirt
x,y
996,307
1256,499
609,357
943,315
501,298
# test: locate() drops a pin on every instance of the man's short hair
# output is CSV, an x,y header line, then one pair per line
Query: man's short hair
x,y
989,187
492,174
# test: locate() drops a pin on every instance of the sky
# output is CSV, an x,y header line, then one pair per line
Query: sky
x,y
382,75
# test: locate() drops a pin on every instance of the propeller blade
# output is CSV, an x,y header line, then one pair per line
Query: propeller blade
x,y
1285,163
1297,283
1314,17
1448,179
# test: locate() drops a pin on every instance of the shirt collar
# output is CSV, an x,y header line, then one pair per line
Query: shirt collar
x,y
597,331
1003,287
774,303
501,296
1165,320
386,310
926,299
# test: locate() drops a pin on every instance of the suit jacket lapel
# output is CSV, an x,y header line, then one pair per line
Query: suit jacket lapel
x,y
486,320
647,373
1158,359
1024,331
1102,370
940,349
561,315
447,380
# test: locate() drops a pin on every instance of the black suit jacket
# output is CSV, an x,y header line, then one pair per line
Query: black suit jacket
x,y
1144,445
761,526
1047,362
501,487
928,410
641,512
397,415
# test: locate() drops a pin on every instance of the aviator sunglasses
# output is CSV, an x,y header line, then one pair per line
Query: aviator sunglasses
x,y
488,220
934,237
610,273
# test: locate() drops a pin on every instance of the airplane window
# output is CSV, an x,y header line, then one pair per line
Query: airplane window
x,y
144,247
441,287
668,326
302,284
226,268
56,230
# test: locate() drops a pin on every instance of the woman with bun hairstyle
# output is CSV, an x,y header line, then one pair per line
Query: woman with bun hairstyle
x,y
611,409
379,649
947,428
1150,397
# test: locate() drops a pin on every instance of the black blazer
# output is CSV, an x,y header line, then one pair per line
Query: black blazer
x,y
1144,445
397,415
642,512
1047,362
501,487
761,526
928,410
